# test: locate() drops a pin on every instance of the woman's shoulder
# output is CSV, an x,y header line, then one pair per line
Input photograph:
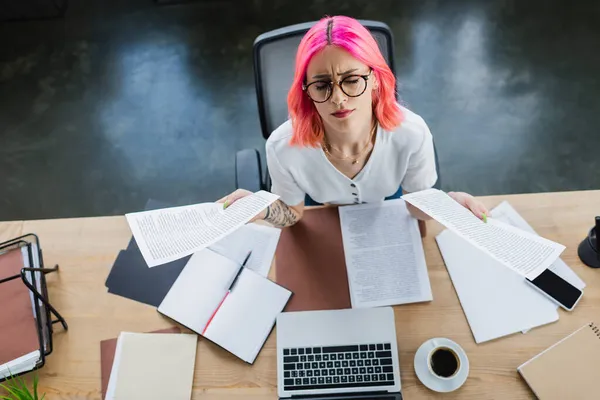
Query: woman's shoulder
x,y
278,143
412,131
281,136
412,123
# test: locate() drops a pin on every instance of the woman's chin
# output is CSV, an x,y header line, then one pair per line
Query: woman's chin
x,y
341,123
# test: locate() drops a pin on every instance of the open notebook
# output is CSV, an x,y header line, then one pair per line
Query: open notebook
x,y
567,370
240,321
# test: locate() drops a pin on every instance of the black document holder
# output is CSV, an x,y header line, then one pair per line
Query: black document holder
x,y
42,309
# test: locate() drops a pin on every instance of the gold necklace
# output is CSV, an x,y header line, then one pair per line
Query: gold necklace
x,y
356,156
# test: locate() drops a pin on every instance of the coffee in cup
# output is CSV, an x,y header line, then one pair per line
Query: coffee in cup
x,y
443,362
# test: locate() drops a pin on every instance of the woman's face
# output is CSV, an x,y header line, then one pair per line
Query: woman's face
x,y
341,112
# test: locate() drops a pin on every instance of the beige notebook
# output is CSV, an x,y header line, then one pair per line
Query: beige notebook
x,y
153,367
570,369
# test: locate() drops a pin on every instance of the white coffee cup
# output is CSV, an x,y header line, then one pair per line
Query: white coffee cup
x,y
443,362
451,370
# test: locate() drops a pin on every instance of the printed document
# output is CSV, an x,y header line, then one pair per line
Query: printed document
x,y
384,255
506,213
523,252
171,233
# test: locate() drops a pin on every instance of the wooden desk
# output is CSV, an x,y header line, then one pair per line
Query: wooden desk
x,y
85,248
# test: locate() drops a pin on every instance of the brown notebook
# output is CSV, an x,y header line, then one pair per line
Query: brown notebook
x,y
570,369
18,330
107,356
310,262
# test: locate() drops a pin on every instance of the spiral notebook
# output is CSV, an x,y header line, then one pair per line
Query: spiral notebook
x,y
567,370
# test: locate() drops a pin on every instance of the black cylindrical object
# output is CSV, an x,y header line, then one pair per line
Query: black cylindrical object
x,y
589,250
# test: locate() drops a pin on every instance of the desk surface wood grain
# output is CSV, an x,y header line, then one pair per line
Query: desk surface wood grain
x,y
85,249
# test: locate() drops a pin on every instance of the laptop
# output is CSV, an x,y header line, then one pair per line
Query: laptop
x,y
338,354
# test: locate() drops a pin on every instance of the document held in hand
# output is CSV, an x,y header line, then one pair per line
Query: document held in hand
x,y
171,233
240,319
523,252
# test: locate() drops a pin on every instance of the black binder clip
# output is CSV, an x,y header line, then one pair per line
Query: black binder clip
x,y
33,276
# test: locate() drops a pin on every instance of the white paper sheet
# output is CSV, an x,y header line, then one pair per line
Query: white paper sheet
x,y
171,233
496,300
523,252
259,239
38,285
199,289
114,371
384,255
24,363
247,315
507,214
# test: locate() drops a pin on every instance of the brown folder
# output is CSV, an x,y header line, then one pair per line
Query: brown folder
x,y
107,356
18,331
567,370
310,262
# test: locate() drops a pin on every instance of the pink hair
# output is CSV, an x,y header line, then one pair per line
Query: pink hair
x,y
348,34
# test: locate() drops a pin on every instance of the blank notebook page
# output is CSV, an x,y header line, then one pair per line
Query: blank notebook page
x,y
568,370
199,289
247,315
153,366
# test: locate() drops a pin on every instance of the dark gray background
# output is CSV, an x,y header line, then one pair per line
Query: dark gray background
x,y
123,100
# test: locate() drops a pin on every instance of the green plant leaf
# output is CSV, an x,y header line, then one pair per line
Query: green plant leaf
x,y
17,388
35,385
11,390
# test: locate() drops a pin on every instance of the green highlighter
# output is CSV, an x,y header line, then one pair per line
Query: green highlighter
x,y
484,217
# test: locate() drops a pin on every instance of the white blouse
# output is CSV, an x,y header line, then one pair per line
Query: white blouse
x,y
403,157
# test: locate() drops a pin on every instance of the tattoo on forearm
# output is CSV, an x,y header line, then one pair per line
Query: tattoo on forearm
x,y
280,215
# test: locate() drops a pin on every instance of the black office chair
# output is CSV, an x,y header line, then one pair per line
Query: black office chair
x,y
274,58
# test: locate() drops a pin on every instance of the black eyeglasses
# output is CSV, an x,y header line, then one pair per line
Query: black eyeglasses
x,y
351,85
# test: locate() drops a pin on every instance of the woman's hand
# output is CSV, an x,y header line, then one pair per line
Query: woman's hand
x,y
240,194
471,203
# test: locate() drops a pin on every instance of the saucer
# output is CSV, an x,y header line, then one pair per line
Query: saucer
x,y
428,379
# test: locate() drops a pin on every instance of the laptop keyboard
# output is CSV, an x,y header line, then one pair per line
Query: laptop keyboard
x,y
331,367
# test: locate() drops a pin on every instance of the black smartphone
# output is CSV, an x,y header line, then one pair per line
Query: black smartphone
x,y
557,289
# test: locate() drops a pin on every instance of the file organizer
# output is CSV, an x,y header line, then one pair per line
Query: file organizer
x,y
33,276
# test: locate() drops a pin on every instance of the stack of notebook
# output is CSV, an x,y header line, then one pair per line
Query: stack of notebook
x,y
152,366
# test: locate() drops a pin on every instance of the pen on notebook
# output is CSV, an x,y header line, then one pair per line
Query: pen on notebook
x,y
239,272
226,293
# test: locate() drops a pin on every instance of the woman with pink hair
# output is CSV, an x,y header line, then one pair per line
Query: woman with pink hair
x,y
347,141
